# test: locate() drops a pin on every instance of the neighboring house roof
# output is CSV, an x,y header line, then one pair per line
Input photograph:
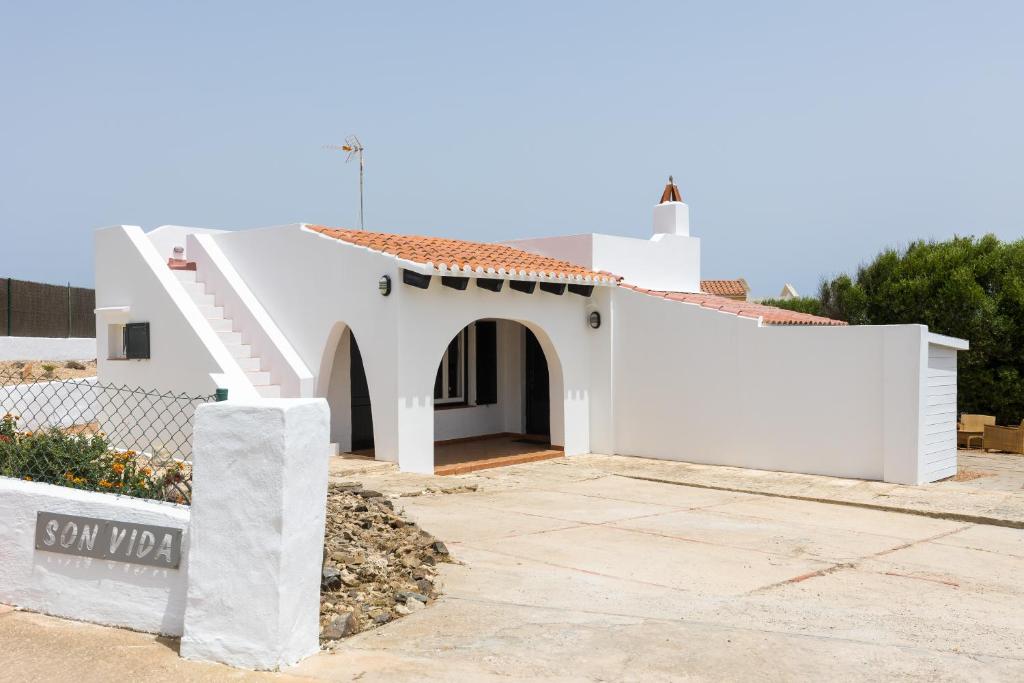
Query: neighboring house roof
x,y
729,288
446,255
770,315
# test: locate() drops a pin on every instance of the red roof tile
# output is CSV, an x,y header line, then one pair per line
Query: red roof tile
x,y
769,315
463,254
728,288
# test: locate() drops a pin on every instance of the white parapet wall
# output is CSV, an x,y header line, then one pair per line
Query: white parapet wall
x,y
47,348
259,495
102,591
237,575
702,386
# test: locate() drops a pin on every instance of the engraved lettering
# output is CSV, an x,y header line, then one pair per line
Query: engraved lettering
x,y
116,537
50,536
68,535
88,537
165,548
146,543
131,542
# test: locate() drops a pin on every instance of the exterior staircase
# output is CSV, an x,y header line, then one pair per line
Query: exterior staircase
x,y
224,327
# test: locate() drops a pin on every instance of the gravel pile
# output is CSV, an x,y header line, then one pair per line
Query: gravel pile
x,y
378,566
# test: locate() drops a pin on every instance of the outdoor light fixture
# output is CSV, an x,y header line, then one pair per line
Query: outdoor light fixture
x,y
384,285
594,319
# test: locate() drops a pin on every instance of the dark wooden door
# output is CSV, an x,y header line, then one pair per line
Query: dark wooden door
x,y
362,418
538,400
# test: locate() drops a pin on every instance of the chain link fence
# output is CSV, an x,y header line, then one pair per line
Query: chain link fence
x,y
97,437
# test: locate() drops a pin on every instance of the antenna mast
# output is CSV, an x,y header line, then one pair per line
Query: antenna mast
x,y
353,148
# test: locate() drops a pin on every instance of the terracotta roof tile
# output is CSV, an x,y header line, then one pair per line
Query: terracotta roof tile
x,y
463,254
723,287
769,315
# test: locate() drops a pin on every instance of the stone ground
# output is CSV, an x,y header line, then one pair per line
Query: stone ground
x,y
15,372
601,568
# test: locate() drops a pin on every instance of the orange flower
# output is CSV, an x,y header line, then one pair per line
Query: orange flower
x,y
106,484
117,467
28,478
147,471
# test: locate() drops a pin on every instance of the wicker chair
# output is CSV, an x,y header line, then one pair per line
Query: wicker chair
x,y
972,428
1007,439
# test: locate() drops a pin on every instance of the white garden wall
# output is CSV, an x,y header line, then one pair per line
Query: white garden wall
x,y
101,591
714,388
47,348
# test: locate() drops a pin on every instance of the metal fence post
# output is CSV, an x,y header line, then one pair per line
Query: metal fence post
x,y
69,310
10,285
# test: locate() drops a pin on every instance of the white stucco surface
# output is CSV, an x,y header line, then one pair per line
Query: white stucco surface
x,y
259,498
135,596
666,262
47,348
719,389
134,284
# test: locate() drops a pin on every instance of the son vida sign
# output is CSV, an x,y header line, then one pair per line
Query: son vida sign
x,y
105,539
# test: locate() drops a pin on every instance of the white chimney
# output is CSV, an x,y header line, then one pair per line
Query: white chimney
x,y
671,215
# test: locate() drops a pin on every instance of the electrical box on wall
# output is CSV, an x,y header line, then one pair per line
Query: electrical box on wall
x,y
136,340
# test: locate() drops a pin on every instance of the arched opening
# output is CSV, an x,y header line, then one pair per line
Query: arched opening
x,y
497,397
344,384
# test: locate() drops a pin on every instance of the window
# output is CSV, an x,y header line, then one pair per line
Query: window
x,y
450,384
136,340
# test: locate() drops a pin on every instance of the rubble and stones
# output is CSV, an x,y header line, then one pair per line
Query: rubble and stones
x,y
377,566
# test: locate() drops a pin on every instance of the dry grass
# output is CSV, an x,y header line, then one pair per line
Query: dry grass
x,y
15,372
963,474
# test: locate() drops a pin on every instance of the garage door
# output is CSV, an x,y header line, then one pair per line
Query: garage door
x,y
938,453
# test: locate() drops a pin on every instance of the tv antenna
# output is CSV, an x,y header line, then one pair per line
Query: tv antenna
x,y
353,148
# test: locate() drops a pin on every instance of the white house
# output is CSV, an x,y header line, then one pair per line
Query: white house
x,y
597,343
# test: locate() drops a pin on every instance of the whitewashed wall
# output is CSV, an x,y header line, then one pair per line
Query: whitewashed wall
x,y
47,348
134,284
102,591
701,386
402,337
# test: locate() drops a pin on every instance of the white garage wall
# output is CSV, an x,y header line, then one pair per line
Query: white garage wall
x,y
700,386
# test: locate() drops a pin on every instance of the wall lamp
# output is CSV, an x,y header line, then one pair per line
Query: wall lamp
x,y
384,285
594,319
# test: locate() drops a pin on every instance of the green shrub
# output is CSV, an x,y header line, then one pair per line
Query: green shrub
x,y
48,369
78,461
965,287
74,365
803,304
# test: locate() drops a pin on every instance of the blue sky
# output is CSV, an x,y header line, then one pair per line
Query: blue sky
x,y
805,136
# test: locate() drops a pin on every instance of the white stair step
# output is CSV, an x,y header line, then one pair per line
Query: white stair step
x,y
185,275
220,324
230,338
203,299
194,287
212,312
258,379
249,364
240,350
269,391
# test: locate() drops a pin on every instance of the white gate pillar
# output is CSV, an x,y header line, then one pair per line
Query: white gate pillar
x,y
259,492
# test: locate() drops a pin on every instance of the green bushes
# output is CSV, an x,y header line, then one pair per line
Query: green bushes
x,y
965,287
803,304
81,461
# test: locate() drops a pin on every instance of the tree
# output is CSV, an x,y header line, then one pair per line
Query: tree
x,y
965,287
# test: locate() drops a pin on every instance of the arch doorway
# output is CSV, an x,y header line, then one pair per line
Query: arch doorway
x,y
348,393
497,397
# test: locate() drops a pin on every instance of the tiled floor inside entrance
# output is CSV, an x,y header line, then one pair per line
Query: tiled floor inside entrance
x,y
461,457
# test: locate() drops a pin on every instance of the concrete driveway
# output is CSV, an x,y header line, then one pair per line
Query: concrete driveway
x,y
574,570
571,572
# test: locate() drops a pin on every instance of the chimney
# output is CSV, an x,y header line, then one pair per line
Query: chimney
x,y
671,215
